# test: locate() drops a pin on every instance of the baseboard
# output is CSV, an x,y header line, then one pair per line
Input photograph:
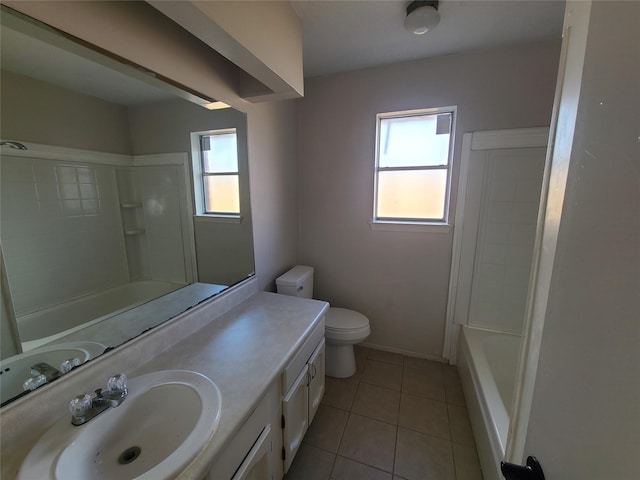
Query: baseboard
x,y
407,353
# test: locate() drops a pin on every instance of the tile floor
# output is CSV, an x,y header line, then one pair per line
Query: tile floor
x,y
397,418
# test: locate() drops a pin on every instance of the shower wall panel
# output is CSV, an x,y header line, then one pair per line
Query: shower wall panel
x,y
510,197
60,229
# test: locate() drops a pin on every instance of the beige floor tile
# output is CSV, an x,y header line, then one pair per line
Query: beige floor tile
x,y
369,441
346,469
327,427
423,457
387,357
460,425
424,415
453,386
377,402
425,383
311,463
423,364
466,462
383,374
362,353
339,392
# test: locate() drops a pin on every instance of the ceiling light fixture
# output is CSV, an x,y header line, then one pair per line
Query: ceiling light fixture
x,y
422,16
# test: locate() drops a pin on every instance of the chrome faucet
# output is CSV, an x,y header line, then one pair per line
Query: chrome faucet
x,y
83,407
43,368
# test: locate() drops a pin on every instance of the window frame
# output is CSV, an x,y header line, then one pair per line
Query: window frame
x,y
440,225
199,175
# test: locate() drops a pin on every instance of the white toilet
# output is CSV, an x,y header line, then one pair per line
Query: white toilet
x,y
343,328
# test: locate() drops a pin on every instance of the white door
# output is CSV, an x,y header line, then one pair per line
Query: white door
x,y
295,411
316,379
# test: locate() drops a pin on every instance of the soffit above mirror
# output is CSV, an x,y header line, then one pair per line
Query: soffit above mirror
x,y
149,39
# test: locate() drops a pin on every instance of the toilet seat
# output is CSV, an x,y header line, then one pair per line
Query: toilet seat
x,y
344,320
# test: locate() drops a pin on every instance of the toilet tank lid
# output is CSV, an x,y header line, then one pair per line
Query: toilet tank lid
x,y
294,277
344,319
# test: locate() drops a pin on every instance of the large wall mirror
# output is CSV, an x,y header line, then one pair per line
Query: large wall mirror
x,y
99,236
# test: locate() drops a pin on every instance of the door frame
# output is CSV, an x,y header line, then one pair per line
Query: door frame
x,y
478,141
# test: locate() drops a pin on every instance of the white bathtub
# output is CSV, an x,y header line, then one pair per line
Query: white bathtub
x,y
488,362
44,326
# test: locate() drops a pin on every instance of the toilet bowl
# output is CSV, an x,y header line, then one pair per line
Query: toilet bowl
x,y
343,328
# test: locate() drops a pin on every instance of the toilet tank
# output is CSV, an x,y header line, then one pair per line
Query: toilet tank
x,y
297,282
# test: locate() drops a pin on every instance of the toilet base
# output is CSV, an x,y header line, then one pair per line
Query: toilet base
x,y
340,361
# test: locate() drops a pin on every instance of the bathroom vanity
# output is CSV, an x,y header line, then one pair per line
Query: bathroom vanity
x,y
265,353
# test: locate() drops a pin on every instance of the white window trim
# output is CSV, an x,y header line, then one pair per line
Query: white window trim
x,y
198,184
411,225
419,227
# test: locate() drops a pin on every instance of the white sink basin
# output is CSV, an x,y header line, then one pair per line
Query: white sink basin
x,y
16,370
166,419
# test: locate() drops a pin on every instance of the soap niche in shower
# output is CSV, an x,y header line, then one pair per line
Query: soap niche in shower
x,y
133,225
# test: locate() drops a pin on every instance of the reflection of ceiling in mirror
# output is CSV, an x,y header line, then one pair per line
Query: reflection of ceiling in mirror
x,y
34,58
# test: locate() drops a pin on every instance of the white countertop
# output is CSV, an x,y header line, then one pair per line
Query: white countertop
x,y
243,351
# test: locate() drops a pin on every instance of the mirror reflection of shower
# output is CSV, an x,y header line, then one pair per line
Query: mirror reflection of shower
x,y
80,242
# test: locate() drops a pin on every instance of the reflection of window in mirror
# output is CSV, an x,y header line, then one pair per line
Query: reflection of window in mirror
x,y
215,173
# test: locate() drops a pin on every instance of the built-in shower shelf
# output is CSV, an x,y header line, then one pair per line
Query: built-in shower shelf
x,y
130,205
134,231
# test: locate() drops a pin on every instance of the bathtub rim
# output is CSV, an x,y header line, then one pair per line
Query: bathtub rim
x,y
30,345
490,433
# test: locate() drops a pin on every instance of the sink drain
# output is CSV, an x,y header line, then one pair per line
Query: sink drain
x,y
129,455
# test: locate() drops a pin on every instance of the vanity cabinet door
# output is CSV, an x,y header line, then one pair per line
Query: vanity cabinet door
x,y
295,417
316,379
256,465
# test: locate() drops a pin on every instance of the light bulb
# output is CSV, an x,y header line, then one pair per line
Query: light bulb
x,y
422,19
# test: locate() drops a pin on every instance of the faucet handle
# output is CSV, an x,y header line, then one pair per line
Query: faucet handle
x,y
80,405
117,383
70,364
32,383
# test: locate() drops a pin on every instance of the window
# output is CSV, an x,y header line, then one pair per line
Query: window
x,y
215,172
413,166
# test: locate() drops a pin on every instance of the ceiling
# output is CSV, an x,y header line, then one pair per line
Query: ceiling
x,y
35,58
338,35
349,35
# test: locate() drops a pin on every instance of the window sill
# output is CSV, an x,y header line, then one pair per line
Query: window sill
x,y
411,227
201,218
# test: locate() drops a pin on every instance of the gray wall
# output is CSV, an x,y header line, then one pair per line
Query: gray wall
x,y
224,251
40,112
400,279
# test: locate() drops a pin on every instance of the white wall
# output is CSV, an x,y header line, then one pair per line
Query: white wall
x,y
585,414
400,279
273,168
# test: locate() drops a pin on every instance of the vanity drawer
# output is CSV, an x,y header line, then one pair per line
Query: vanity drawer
x,y
299,361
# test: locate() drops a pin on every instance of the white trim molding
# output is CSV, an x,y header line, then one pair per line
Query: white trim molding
x,y
513,138
66,154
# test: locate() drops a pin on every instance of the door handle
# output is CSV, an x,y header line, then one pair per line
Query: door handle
x,y
531,471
